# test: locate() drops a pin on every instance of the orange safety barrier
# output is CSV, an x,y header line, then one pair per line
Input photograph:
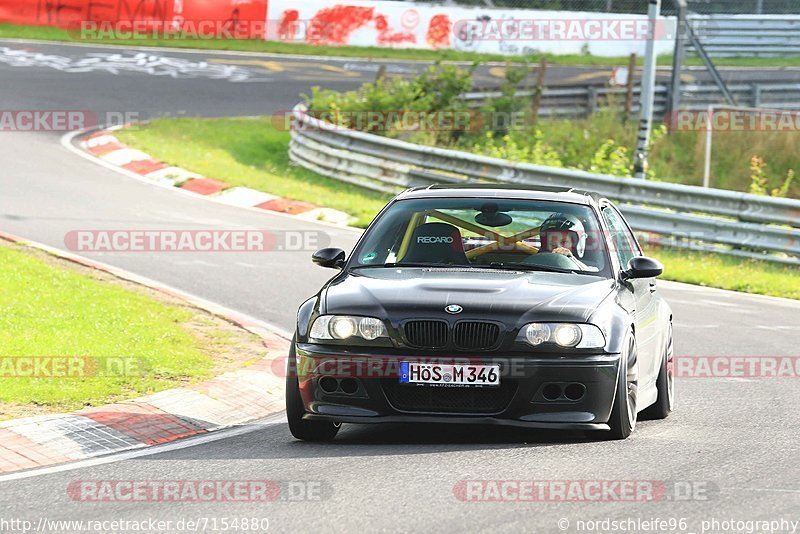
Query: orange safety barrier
x,y
204,18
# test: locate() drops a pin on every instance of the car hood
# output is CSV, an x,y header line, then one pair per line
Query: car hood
x,y
509,296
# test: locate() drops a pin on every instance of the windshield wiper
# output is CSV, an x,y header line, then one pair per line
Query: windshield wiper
x,y
529,267
494,265
414,264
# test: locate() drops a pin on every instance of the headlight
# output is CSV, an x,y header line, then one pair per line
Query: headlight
x,y
342,327
567,335
346,326
370,328
537,333
570,335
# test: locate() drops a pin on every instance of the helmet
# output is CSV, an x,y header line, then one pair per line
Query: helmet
x,y
559,225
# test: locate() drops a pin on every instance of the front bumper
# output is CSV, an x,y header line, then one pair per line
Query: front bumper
x,y
362,387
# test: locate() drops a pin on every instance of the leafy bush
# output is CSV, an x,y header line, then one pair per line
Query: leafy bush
x,y
783,190
759,181
535,151
611,158
504,111
380,107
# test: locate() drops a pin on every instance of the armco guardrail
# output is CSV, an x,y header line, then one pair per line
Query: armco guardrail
x,y
683,215
584,100
748,35
577,101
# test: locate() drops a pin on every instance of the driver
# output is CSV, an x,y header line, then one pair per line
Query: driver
x,y
564,234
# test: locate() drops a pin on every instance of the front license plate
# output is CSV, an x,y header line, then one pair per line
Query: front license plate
x,y
449,375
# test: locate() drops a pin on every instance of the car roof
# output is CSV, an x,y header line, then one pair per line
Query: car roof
x,y
511,191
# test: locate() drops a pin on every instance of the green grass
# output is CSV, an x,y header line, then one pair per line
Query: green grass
x,y
679,157
47,310
252,153
726,272
12,31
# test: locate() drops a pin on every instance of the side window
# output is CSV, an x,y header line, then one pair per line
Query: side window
x,y
621,237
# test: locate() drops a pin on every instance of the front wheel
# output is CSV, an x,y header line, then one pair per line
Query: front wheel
x,y
295,410
623,413
665,384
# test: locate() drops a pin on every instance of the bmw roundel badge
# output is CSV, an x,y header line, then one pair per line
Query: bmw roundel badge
x,y
453,308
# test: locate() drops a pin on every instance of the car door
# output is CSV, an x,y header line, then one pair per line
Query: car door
x,y
645,298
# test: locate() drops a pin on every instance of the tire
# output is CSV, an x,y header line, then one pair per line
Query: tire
x,y
623,413
295,410
665,384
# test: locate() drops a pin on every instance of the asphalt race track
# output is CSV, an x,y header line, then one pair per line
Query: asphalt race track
x,y
729,452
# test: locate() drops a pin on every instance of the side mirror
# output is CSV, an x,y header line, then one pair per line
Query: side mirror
x,y
329,257
642,267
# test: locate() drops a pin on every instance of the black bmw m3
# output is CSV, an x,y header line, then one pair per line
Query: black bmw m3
x,y
485,305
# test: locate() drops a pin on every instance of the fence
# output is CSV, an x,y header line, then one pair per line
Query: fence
x,y
576,101
583,101
748,35
734,223
779,7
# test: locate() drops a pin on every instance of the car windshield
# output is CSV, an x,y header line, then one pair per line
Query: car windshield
x,y
511,234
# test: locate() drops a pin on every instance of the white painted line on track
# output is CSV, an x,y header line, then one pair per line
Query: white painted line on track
x,y
681,286
197,262
719,303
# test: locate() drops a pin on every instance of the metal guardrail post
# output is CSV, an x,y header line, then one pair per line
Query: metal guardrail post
x,y
709,141
381,74
629,86
678,56
591,100
537,92
647,95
